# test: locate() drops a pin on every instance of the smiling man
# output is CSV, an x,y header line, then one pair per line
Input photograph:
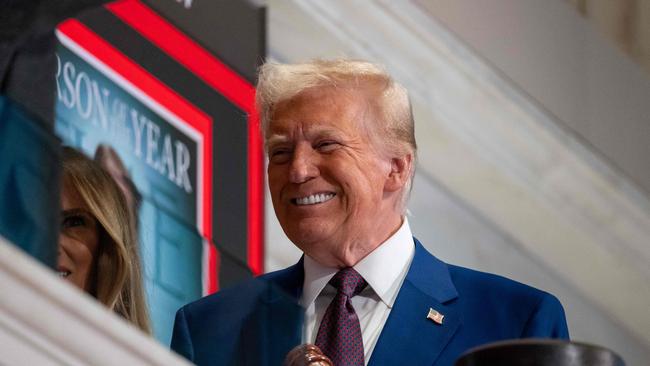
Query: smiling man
x,y
335,192
341,146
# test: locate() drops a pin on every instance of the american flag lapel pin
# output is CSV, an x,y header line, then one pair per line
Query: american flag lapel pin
x,y
435,316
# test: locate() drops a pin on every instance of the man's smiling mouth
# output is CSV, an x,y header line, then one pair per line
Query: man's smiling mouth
x,y
313,199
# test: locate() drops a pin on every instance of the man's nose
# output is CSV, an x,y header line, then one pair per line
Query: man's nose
x,y
303,165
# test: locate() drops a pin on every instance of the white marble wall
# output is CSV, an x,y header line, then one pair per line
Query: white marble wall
x,y
501,186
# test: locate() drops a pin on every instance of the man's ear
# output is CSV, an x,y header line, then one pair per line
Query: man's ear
x,y
400,172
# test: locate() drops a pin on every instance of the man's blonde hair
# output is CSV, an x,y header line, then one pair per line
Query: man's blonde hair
x,y
118,274
393,129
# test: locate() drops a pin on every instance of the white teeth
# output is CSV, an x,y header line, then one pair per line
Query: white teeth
x,y
314,199
63,274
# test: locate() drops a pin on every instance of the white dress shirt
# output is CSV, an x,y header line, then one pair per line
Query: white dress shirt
x,y
384,269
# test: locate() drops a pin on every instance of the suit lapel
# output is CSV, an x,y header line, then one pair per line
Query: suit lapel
x,y
408,336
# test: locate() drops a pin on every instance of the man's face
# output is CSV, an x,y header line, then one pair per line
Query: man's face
x,y
327,180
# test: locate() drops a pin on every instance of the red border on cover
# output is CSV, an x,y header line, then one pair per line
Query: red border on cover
x,y
227,82
163,95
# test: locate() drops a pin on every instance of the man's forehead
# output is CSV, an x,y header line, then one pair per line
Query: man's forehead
x,y
317,113
332,98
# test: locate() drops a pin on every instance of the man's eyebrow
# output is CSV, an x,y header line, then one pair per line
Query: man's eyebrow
x,y
314,133
276,139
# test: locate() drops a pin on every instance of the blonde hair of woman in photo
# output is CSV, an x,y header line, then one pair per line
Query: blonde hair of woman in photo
x,y
98,249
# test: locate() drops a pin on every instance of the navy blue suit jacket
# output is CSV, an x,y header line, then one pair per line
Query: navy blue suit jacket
x,y
257,325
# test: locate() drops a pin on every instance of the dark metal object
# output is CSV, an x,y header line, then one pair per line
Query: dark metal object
x,y
539,352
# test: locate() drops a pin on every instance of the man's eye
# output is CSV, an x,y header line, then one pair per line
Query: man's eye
x,y
327,145
278,152
73,221
279,155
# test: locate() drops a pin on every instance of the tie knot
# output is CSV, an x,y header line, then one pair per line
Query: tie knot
x,y
348,281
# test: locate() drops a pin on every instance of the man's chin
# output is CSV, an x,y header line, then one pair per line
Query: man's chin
x,y
309,239
309,230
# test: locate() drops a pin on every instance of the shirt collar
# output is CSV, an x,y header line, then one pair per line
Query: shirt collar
x,y
384,268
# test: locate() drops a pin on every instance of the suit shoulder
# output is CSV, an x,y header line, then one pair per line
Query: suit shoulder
x,y
212,326
241,293
521,310
246,293
485,285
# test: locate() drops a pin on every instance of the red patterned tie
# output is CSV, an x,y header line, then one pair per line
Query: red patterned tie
x,y
339,334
